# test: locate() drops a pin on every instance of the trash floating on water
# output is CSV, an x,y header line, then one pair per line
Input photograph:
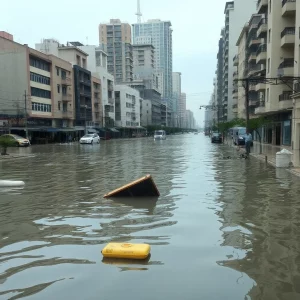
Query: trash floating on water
x,y
143,187
6,183
126,250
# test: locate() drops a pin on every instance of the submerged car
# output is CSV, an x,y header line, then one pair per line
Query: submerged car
x,y
17,140
216,137
160,135
90,139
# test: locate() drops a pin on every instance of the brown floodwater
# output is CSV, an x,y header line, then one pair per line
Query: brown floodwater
x,y
221,229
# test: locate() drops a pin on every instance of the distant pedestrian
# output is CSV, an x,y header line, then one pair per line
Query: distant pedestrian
x,y
248,142
70,138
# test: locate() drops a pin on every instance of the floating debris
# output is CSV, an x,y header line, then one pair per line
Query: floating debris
x,y
143,187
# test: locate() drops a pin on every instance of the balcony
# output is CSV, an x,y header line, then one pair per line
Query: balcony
x,y
260,108
288,8
235,75
262,6
236,60
66,81
85,93
261,54
252,88
67,97
262,28
288,37
252,57
285,100
286,68
253,70
85,81
254,41
67,114
260,87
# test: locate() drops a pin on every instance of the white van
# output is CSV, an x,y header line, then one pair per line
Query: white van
x,y
160,135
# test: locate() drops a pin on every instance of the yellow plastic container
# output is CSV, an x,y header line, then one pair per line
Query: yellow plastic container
x,y
126,250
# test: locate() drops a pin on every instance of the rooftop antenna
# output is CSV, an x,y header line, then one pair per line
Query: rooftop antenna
x,y
138,13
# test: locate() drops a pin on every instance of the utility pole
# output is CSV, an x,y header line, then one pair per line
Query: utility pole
x,y
25,116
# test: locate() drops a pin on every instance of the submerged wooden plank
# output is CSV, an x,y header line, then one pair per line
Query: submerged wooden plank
x,y
142,187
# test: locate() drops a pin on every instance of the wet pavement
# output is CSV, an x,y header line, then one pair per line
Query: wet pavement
x,y
222,228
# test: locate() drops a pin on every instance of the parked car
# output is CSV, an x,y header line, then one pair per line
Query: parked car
x,y
216,137
90,139
17,140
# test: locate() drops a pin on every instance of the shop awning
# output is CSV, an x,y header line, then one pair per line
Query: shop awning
x,y
114,130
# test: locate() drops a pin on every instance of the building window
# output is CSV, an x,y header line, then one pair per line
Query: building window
x,y
286,133
270,5
58,88
269,37
267,96
40,107
39,64
63,74
39,78
57,71
58,105
269,61
40,93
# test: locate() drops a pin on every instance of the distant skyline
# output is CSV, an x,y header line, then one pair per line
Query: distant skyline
x,y
196,31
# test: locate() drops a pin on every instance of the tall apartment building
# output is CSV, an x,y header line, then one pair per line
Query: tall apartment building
x,y
182,109
176,86
236,15
190,121
116,40
143,62
271,53
296,96
97,64
221,104
48,84
159,34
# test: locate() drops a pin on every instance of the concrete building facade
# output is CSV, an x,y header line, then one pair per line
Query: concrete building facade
x,y
127,101
36,91
236,15
97,64
115,37
182,109
159,34
176,85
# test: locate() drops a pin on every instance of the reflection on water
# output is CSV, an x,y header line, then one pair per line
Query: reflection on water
x,y
222,229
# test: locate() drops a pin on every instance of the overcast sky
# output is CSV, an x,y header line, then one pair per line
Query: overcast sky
x,y
196,31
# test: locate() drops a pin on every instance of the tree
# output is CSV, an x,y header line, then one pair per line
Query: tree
x,y
5,142
256,123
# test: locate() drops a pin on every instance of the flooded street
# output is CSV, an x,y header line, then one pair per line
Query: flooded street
x,y
222,229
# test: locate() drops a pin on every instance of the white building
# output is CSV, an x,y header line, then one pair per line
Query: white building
x,y
237,13
97,64
176,78
127,103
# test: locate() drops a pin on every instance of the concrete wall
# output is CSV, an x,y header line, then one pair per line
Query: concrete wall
x,y
14,79
62,97
126,94
237,18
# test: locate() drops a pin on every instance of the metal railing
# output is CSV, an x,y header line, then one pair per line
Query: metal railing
x,y
288,31
261,103
261,48
287,63
285,96
262,21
